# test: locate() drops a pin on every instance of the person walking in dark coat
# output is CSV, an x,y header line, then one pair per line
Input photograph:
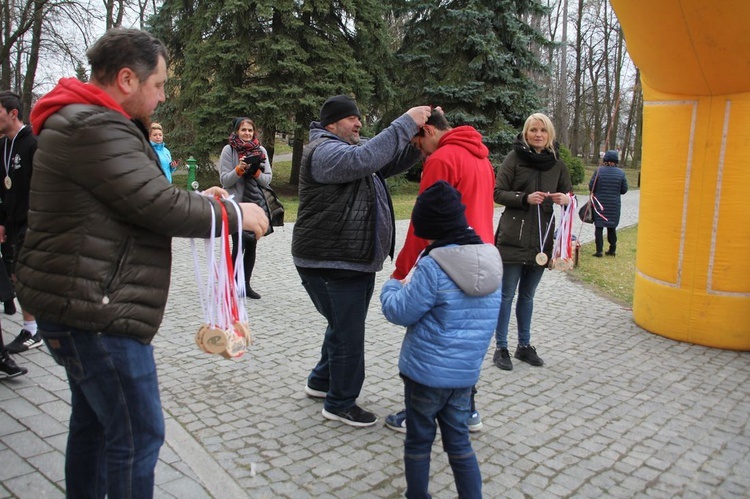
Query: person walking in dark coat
x,y
608,184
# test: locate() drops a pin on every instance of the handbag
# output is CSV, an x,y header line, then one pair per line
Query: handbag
x,y
586,212
275,208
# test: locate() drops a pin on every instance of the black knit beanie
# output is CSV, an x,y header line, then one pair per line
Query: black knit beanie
x,y
336,108
438,211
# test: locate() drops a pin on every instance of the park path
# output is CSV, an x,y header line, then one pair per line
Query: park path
x,y
615,412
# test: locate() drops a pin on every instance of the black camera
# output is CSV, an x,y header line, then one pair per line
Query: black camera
x,y
252,160
253,165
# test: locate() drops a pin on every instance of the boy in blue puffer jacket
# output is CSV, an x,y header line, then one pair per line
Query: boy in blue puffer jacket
x,y
449,308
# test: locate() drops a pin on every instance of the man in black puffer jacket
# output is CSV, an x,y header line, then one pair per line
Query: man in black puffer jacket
x,y
96,263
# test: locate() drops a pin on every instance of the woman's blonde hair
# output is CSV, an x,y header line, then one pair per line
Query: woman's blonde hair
x,y
156,126
551,135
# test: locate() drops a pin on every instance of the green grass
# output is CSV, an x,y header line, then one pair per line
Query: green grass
x,y
613,276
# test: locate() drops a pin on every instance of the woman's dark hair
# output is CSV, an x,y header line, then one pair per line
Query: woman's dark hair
x,y
125,48
237,123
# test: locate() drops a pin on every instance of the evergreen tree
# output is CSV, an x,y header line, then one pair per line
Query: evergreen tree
x,y
474,58
275,61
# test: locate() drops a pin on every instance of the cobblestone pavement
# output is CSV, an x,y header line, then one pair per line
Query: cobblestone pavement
x,y
616,411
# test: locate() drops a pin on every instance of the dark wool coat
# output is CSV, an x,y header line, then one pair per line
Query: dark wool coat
x,y
610,185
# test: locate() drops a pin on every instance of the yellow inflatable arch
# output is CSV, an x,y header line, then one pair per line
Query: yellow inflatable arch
x,y
693,264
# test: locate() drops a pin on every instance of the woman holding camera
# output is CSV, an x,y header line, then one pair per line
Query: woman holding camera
x,y
243,167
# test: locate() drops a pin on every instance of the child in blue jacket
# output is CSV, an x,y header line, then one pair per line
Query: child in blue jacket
x,y
449,308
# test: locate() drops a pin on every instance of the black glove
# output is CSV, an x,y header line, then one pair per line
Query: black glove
x,y
253,163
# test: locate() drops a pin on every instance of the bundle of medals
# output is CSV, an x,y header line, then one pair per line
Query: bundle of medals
x,y
565,249
225,331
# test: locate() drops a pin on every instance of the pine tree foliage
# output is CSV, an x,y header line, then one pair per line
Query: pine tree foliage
x,y
474,58
275,61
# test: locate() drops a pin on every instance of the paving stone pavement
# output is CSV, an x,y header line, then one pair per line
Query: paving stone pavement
x,y
615,412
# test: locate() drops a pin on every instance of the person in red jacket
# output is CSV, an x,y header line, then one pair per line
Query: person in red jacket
x,y
457,156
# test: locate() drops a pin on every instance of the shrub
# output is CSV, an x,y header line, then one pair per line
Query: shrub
x,y
575,166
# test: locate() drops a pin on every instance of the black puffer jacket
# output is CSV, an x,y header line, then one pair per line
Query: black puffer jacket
x,y
102,216
521,173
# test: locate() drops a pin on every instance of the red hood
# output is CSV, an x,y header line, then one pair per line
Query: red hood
x,y
466,137
70,91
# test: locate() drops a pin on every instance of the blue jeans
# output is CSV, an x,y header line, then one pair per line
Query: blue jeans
x,y
526,278
342,297
426,408
116,424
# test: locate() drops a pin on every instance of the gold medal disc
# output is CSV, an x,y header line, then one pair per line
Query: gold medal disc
x,y
541,259
8,182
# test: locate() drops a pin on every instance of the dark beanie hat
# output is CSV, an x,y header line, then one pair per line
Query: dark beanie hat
x,y
611,157
336,108
438,212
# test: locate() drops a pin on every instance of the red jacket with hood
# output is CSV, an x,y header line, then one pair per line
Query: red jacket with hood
x,y
462,160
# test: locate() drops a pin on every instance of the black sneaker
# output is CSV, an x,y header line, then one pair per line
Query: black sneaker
x,y
24,341
353,416
610,253
502,359
251,294
9,367
528,354
597,254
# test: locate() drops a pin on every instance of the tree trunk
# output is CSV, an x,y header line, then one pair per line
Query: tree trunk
x,y
575,139
297,145
33,62
563,81
638,103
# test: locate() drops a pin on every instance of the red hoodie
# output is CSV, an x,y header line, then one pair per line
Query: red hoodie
x,y
462,160
70,91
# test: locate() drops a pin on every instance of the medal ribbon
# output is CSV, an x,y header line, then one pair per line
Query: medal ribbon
x,y
7,157
546,233
563,248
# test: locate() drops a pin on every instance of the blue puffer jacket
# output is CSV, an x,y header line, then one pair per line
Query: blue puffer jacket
x,y
450,308
610,185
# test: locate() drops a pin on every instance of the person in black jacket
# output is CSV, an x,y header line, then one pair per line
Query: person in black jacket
x,y
18,146
530,181
607,184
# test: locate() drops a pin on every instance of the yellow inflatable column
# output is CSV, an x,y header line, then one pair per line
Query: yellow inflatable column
x,y
693,263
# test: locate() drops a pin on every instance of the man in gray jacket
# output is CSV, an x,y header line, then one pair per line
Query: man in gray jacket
x,y
343,234
96,263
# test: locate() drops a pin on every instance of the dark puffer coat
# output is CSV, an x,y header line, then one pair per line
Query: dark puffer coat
x,y
102,216
610,185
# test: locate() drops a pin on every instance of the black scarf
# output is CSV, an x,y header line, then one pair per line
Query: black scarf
x,y
538,160
460,237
